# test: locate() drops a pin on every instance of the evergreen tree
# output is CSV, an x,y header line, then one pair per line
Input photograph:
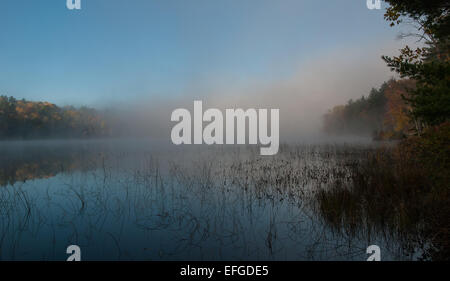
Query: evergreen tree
x,y
428,66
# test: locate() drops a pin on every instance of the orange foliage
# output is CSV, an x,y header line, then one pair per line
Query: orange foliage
x,y
397,121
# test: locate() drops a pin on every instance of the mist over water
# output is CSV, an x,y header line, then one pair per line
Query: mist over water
x,y
136,199
303,96
137,196
88,158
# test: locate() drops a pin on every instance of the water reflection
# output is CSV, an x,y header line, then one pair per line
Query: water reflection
x,y
21,163
130,202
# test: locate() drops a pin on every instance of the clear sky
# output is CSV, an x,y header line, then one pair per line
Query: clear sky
x,y
121,49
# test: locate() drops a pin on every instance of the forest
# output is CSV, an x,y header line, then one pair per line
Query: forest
x,y
409,180
384,114
22,119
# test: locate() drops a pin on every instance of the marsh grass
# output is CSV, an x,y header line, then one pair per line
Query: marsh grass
x,y
205,204
400,191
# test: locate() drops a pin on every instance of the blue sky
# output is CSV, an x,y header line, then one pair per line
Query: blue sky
x,y
125,49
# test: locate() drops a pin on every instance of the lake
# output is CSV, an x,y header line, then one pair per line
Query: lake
x,y
143,200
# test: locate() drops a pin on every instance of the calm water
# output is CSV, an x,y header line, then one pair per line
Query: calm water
x,y
140,200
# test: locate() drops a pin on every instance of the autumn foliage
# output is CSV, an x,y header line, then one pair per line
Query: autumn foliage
x,y
27,119
384,114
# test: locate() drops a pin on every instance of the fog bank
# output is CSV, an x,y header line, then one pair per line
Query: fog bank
x,y
319,84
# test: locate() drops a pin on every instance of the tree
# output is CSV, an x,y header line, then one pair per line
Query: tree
x,y
382,114
428,66
397,122
27,119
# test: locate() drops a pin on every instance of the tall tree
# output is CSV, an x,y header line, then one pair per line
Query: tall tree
x,y
428,66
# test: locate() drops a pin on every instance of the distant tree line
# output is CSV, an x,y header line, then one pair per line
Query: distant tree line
x,y
22,119
393,113
383,114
